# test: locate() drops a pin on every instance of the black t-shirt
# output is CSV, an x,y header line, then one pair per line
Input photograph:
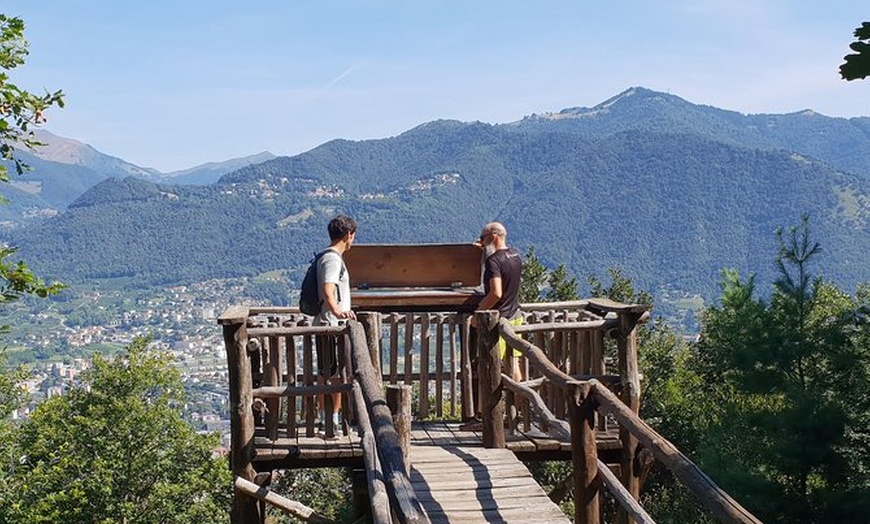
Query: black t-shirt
x,y
507,264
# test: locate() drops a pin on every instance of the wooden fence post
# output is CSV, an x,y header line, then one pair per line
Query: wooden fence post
x,y
371,323
272,377
584,454
467,398
489,376
246,509
399,402
628,371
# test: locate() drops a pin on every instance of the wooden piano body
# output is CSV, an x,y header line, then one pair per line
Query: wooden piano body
x,y
414,277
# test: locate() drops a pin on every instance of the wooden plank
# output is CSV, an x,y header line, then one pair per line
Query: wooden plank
x,y
409,344
504,516
515,497
423,411
478,485
439,435
394,348
453,396
439,366
465,484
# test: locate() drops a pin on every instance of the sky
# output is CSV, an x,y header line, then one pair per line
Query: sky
x,y
174,84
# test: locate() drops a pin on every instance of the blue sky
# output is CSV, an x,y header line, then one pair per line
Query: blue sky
x,y
170,85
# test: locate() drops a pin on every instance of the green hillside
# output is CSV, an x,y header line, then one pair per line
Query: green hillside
x,y
670,209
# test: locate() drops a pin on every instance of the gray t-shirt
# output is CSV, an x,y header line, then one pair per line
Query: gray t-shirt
x,y
329,269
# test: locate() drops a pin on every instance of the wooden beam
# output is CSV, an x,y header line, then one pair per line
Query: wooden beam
x,y
584,454
489,378
286,391
622,496
630,395
399,401
245,509
379,500
291,507
407,507
371,322
233,315
549,327
295,330
606,305
715,499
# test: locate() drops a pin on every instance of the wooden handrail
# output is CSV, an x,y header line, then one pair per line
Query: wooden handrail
x,y
622,495
603,324
407,507
560,428
291,507
711,496
295,330
286,391
714,498
379,500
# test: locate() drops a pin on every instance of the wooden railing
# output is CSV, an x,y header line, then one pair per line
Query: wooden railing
x,y
588,399
270,353
431,352
579,362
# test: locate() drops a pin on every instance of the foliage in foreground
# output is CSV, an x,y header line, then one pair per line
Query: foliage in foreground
x,y
857,65
116,450
787,383
329,491
20,112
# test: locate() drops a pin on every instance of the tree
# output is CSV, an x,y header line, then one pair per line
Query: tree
x,y
787,430
11,396
857,65
538,282
533,279
117,450
562,286
621,289
20,112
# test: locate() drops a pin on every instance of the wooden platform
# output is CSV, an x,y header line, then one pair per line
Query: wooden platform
x,y
466,483
520,442
295,451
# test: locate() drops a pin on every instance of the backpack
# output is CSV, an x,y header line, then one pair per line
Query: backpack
x,y
309,295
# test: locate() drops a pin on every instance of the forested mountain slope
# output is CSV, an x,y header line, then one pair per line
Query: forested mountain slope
x,y
670,209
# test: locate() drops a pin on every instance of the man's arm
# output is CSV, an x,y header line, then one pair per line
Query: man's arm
x,y
329,296
491,298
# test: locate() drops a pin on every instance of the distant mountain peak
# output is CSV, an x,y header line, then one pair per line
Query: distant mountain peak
x,y
632,95
72,152
61,150
225,166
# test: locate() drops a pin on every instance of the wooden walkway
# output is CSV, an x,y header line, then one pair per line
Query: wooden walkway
x,y
457,480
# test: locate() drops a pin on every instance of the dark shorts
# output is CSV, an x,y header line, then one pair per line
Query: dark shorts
x,y
329,354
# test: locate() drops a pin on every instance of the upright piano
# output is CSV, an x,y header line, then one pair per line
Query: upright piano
x,y
415,277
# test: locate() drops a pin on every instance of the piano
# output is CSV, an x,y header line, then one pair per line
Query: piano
x,y
415,277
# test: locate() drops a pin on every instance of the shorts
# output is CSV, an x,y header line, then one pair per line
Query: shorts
x,y
502,344
326,347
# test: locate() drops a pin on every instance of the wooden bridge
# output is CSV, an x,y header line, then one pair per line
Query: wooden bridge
x,y
409,378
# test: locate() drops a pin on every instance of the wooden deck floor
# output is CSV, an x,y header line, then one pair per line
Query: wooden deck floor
x,y
292,451
457,480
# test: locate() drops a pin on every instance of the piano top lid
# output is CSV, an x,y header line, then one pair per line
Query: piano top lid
x,y
414,265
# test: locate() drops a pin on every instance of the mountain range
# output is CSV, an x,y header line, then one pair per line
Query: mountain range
x,y
62,169
668,191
